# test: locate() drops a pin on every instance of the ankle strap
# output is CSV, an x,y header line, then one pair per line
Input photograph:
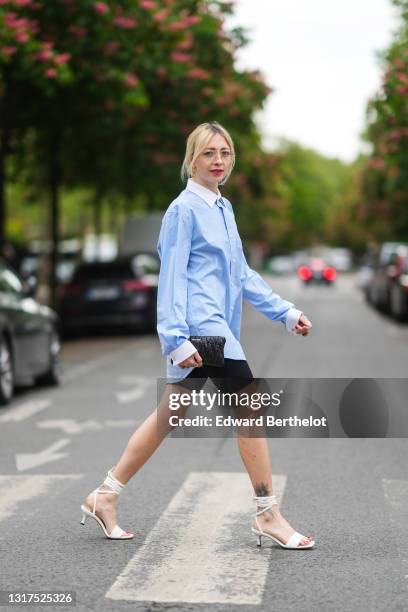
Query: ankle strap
x,y
113,482
265,502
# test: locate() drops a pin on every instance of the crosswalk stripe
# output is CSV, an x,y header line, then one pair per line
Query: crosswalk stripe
x,y
396,494
16,489
201,549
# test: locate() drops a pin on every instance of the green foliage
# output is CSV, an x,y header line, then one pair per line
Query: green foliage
x,y
291,198
97,98
116,86
385,185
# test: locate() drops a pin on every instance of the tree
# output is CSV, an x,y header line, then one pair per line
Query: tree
x,y
74,61
114,87
385,186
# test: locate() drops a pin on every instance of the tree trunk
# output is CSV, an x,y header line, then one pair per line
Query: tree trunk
x,y
128,205
54,185
114,216
2,195
97,209
4,150
6,112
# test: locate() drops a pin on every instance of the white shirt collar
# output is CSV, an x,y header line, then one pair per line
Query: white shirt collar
x,y
206,194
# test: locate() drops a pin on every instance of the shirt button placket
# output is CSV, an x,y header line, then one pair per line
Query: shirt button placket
x,y
221,207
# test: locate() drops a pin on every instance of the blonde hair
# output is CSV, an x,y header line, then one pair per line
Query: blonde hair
x,y
198,140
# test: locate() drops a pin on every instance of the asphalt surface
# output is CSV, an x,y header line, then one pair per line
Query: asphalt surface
x,y
190,505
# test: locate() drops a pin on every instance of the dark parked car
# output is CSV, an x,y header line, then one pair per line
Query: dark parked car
x,y
386,271
121,293
29,338
316,271
399,289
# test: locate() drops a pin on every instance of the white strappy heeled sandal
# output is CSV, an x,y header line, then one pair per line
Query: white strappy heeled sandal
x,y
117,533
265,503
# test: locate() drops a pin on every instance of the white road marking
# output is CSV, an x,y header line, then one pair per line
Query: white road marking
x,y
15,489
201,550
131,395
71,426
123,423
124,397
131,379
26,461
396,494
90,366
24,411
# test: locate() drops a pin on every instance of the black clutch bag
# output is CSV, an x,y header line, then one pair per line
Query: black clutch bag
x,y
211,349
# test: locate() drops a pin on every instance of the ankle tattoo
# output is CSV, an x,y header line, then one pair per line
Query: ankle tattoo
x,y
261,489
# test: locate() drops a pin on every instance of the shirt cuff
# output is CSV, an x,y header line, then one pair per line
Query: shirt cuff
x,y
182,352
292,318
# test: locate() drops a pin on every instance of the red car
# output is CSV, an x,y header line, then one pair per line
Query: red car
x,y
317,271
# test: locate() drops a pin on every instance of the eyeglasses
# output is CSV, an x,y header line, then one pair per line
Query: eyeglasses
x,y
212,154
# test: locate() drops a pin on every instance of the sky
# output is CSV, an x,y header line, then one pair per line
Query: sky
x,y
320,56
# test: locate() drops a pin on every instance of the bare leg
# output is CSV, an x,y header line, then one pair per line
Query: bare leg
x,y
254,452
142,444
255,455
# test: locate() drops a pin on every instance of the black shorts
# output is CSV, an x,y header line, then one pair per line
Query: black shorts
x,y
234,375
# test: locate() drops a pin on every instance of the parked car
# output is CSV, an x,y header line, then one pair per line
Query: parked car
x,y
29,337
365,273
316,271
121,293
300,258
385,272
399,289
340,258
281,265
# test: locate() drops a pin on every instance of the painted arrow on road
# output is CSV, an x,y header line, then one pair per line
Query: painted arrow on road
x,y
27,461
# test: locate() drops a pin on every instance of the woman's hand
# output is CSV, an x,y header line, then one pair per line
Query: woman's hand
x,y
303,326
194,361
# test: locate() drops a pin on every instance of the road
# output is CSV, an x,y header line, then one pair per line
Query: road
x,y
190,505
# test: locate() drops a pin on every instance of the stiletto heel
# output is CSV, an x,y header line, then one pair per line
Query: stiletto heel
x,y
116,487
265,503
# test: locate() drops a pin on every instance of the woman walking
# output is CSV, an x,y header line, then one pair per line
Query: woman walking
x,y
203,278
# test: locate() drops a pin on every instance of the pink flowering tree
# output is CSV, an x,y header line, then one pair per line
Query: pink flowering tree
x,y
103,94
385,186
193,80
64,66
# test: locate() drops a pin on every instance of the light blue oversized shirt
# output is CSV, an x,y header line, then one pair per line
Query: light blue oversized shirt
x,y
204,277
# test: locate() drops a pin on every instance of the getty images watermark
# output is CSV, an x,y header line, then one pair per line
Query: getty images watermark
x,y
254,401
272,407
